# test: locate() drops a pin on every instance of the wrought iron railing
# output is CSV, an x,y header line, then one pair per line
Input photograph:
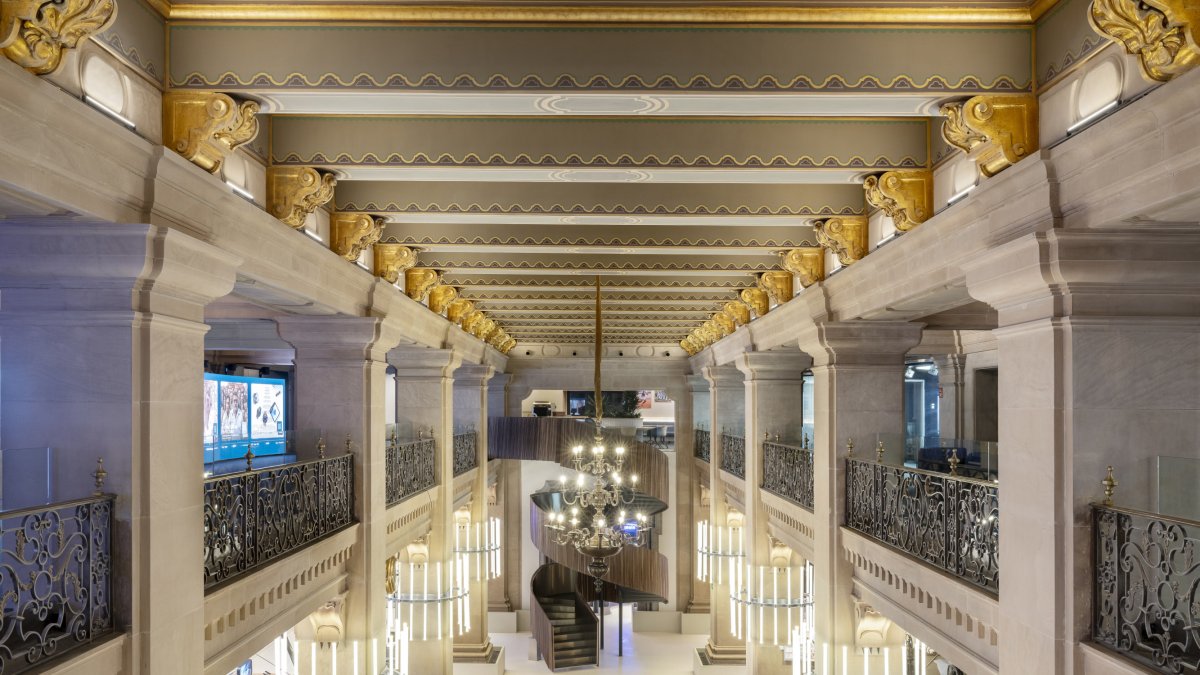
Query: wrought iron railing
x,y
1147,579
788,472
254,517
701,444
55,580
465,456
733,455
950,522
409,470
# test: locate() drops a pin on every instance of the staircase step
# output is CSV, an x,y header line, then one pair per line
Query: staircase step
x,y
569,663
574,652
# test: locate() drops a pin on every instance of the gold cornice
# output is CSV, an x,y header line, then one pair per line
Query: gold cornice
x,y
352,232
600,14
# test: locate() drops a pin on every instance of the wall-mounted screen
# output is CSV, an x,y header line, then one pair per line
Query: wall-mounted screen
x,y
243,413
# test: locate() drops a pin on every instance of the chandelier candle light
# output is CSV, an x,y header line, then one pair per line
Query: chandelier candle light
x,y
599,524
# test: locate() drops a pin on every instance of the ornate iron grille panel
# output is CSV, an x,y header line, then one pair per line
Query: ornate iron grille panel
x,y
950,522
701,444
55,572
733,455
254,517
409,469
465,458
788,472
1147,588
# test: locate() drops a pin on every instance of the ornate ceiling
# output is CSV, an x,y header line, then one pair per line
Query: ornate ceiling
x,y
675,149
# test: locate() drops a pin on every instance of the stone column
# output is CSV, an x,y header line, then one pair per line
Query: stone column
x,y
425,400
340,392
727,410
951,376
858,392
471,398
684,497
774,389
102,327
699,404
507,510
1098,363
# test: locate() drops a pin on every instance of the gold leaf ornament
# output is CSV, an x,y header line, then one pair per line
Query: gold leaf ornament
x,y
757,299
458,309
905,195
727,324
1163,34
392,259
777,284
35,33
807,262
996,130
204,127
418,281
294,192
352,232
738,311
845,236
440,297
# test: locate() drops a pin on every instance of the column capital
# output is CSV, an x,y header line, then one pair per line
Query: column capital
x,y
863,343
414,362
697,383
783,364
722,376
473,375
1101,274
337,337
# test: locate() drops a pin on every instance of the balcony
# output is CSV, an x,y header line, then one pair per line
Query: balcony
x,y
701,444
409,468
55,572
947,521
1147,574
788,472
255,517
465,456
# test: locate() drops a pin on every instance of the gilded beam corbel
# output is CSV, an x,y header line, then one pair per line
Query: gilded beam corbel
x,y
206,126
294,192
689,345
1163,34
392,259
707,334
715,329
807,262
777,284
498,339
996,130
738,311
846,236
35,33
418,281
440,297
458,309
906,195
507,345
350,233
484,329
725,322
470,319
757,299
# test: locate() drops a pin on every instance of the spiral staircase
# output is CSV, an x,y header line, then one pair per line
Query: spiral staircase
x,y
563,623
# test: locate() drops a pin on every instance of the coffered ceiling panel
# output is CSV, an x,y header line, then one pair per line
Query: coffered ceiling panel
x,y
600,142
602,198
571,58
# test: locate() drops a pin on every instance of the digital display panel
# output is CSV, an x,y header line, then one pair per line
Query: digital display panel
x,y
243,413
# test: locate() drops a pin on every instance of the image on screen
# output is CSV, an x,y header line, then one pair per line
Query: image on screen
x,y
210,411
234,400
266,410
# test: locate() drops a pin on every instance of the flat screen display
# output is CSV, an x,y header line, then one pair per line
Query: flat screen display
x,y
243,413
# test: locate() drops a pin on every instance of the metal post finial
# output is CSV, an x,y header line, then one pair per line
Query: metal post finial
x,y
320,447
805,443
349,445
879,452
1110,485
777,436
249,459
100,474
767,436
953,461
849,447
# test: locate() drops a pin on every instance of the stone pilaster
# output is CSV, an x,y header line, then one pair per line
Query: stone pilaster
x,y
700,414
774,385
340,392
858,392
727,400
425,400
1097,365
471,394
103,357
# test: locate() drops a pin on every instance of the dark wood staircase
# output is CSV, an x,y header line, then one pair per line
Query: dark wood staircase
x,y
564,627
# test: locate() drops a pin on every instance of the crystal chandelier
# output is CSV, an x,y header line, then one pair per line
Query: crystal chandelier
x,y
596,519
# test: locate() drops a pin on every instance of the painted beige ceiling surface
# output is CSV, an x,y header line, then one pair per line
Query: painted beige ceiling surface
x,y
678,161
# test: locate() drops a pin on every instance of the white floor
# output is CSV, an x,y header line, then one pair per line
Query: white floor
x,y
657,653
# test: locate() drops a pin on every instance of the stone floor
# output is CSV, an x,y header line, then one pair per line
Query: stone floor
x,y
657,653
